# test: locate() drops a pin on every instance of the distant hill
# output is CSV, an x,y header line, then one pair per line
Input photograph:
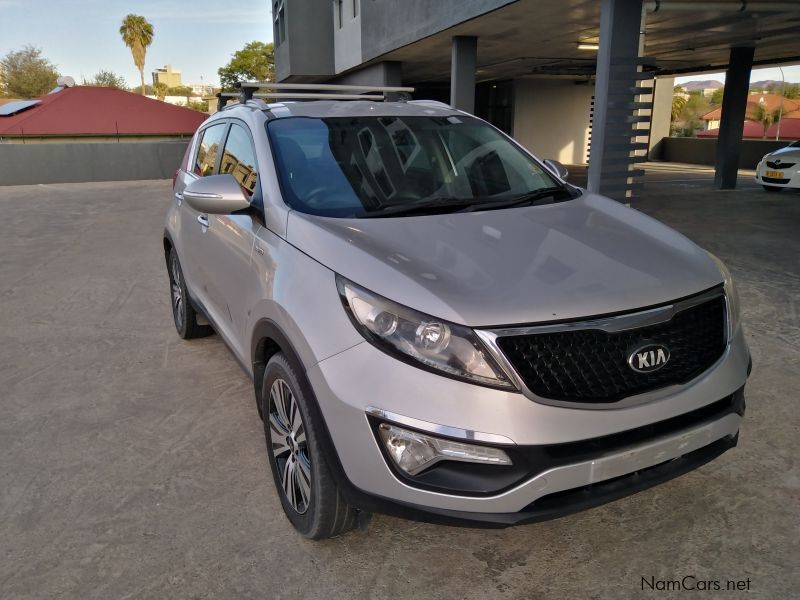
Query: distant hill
x,y
697,86
769,82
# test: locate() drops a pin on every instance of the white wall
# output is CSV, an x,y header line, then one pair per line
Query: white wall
x,y
177,100
551,118
661,116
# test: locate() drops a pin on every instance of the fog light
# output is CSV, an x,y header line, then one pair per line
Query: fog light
x,y
413,452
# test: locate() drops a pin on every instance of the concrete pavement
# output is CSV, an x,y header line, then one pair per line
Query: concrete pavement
x,y
132,463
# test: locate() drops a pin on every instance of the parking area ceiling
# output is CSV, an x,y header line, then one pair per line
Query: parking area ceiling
x,y
535,37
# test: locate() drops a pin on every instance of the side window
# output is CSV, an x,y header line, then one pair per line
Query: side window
x,y
210,141
239,160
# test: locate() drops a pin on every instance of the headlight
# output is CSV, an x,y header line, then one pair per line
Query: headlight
x,y
420,339
731,297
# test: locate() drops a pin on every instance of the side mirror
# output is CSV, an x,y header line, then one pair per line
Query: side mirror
x,y
556,168
215,194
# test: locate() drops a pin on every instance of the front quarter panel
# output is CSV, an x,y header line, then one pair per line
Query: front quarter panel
x,y
299,296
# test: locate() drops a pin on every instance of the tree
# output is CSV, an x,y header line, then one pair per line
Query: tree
x,y
199,106
678,104
697,102
716,97
254,62
160,90
109,79
180,90
792,91
26,73
766,117
137,34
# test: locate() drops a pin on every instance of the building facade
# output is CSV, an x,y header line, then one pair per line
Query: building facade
x,y
168,76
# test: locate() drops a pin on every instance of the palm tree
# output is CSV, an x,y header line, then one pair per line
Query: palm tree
x,y
678,104
137,34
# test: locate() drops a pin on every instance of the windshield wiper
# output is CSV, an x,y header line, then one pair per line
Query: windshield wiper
x,y
442,204
432,205
538,197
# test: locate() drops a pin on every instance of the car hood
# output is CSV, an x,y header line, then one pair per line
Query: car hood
x,y
788,153
589,256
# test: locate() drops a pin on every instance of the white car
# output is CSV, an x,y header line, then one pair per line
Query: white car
x,y
780,169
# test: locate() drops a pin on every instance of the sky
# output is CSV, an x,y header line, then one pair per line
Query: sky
x,y
81,37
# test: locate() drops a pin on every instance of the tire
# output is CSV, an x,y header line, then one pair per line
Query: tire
x,y
183,313
772,188
307,490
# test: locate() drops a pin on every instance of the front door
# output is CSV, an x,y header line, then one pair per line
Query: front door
x,y
194,225
228,243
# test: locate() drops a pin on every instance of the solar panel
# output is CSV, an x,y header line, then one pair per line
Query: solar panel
x,y
12,108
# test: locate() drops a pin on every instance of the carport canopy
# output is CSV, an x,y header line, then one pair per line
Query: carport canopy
x,y
622,44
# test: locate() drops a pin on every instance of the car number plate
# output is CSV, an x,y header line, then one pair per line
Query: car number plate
x,y
775,174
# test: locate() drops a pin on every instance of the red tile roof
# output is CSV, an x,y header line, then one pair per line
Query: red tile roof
x,y
85,110
770,102
790,130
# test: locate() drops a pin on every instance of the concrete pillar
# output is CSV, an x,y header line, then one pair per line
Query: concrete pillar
x,y
616,112
462,73
731,125
661,118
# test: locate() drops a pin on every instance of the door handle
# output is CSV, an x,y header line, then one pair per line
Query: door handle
x,y
203,220
179,198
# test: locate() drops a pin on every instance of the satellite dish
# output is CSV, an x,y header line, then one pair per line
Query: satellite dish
x,y
65,81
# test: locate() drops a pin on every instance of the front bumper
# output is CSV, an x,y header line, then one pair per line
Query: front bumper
x,y
600,455
790,177
566,503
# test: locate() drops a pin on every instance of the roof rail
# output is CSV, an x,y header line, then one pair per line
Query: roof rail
x,y
313,91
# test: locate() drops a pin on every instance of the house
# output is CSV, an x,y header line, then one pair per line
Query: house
x,y
789,127
95,114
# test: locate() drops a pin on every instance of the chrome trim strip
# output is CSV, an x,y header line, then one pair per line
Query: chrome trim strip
x,y
437,429
576,475
615,323
610,324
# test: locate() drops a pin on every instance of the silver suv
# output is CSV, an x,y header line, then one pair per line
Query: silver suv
x,y
438,325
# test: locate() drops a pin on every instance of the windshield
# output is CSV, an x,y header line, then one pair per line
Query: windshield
x,y
365,166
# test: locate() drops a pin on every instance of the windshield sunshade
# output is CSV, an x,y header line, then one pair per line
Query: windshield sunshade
x,y
368,166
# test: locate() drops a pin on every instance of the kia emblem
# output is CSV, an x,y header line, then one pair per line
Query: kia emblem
x,y
648,358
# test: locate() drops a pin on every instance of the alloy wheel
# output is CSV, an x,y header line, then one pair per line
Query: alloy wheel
x,y
177,293
289,447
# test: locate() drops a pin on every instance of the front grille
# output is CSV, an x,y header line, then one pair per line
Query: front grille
x,y
591,365
774,180
779,165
